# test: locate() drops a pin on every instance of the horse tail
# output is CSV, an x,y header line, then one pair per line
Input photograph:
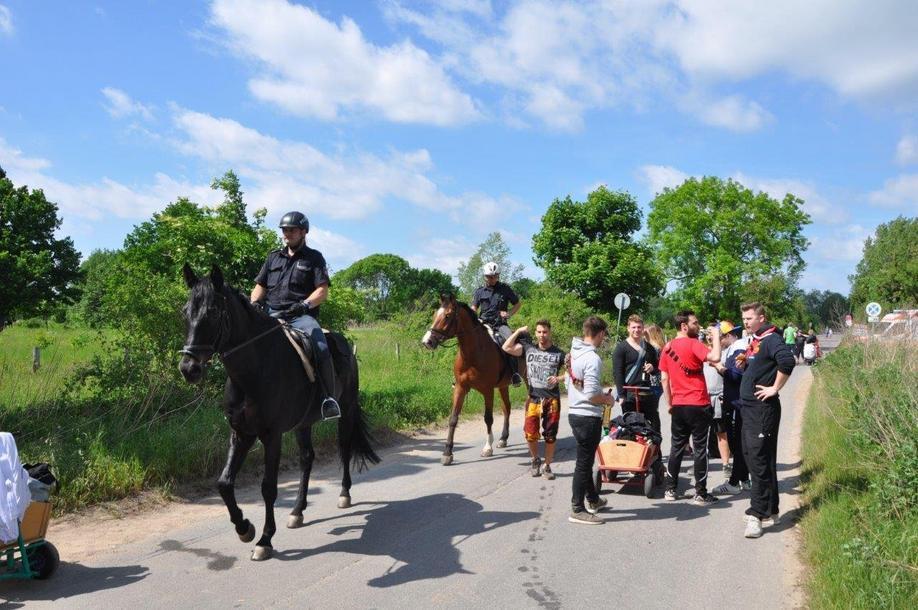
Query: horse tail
x,y
362,442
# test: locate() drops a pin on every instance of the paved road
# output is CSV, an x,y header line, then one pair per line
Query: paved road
x,y
480,533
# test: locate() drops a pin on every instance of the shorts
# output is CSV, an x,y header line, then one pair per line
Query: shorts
x,y
723,414
544,411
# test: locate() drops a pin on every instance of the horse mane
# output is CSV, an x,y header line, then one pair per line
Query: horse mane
x,y
471,312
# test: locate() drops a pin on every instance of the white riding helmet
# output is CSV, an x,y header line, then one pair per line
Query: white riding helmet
x,y
490,269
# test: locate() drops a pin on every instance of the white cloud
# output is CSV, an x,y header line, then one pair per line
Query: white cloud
x,y
899,192
844,244
314,67
354,185
814,204
556,60
6,21
443,253
733,112
907,150
659,177
120,105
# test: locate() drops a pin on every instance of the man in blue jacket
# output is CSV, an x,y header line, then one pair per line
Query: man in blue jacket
x,y
768,364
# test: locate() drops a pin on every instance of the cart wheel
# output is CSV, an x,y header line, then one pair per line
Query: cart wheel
x,y
43,560
597,479
648,484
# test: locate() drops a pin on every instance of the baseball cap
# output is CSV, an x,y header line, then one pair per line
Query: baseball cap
x,y
726,327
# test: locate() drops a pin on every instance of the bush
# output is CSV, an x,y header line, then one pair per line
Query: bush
x,y
860,454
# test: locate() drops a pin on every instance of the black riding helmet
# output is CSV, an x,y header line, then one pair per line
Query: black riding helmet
x,y
295,220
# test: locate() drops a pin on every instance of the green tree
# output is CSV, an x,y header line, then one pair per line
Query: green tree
x,y
97,272
382,281
425,285
492,249
588,248
826,308
524,286
39,271
888,271
719,244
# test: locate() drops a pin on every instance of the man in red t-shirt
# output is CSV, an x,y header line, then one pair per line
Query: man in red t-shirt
x,y
681,364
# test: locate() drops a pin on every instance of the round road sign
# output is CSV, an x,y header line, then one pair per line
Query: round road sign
x,y
622,300
873,309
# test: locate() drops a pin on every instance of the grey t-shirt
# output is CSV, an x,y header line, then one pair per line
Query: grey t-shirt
x,y
540,365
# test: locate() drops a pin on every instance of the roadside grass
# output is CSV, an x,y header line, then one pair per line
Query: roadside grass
x,y
860,456
153,431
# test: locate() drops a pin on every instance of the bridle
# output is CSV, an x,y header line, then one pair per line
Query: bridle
x,y
210,349
442,336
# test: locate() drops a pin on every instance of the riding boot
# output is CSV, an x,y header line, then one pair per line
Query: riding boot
x,y
330,408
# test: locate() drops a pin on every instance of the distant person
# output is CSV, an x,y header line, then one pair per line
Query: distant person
x,y
790,336
799,342
495,303
585,397
634,361
768,365
544,361
681,364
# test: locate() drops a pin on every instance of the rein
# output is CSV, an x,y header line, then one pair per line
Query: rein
x,y
194,350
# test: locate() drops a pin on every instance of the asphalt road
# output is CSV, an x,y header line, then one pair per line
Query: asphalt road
x,y
479,533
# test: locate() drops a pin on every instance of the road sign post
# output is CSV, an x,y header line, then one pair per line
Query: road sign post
x,y
622,301
873,310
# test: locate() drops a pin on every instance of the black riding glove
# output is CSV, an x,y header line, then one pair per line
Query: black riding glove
x,y
296,310
260,306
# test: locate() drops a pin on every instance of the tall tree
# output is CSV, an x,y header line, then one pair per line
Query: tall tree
x,y
381,280
718,243
888,271
39,271
492,249
588,248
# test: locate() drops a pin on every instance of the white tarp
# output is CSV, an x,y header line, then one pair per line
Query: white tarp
x,y
15,493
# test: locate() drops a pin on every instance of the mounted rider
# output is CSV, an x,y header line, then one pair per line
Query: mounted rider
x,y
295,281
491,303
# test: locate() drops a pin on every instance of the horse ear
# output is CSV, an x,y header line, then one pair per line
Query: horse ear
x,y
444,299
190,278
216,277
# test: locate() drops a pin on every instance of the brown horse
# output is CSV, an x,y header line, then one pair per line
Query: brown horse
x,y
480,365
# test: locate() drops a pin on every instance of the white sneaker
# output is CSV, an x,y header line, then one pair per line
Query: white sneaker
x,y
725,488
753,527
669,494
771,521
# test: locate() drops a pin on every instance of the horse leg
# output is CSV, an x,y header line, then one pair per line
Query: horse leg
x,y
272,444
345,430
459,393
307,456
226,484
488,449
505,431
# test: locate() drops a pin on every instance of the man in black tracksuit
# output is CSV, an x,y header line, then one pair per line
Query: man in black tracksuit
x,y
768,365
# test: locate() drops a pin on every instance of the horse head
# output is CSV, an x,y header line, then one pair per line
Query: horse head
x,y
445,323
206,322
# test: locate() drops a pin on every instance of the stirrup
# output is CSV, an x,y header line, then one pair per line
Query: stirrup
x,y
330,409
516,380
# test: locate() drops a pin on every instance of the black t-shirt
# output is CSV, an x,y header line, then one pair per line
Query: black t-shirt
x,y
623,359
290,279
540,365
491,300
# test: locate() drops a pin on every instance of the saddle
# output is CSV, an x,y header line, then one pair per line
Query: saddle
x,y
303,347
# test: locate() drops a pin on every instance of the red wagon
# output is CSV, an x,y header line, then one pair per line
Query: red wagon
x,y
642,461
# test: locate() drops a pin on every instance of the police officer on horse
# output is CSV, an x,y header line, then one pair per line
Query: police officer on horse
x,y
294,280
494,303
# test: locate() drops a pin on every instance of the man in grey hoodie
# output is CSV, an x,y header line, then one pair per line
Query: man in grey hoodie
x,y
585,405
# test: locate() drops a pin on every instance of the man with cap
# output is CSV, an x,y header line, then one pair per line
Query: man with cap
x,y
495,303
294,280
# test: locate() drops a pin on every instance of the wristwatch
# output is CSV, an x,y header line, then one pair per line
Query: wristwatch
x,y
307,303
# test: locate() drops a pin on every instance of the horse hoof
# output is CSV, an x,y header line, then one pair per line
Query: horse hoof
x,y
501,444
261,553
344,501
487,452
446,460
249,536
294,521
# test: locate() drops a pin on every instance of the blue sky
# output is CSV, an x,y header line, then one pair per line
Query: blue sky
x,y
419,127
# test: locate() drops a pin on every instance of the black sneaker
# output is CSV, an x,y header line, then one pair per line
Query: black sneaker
x,y
704,500
330,409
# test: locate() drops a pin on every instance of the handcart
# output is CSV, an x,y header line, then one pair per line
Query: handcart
x,y
31,556
642,461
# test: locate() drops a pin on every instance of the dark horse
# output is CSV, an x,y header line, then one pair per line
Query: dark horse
x,y
480,365
267,393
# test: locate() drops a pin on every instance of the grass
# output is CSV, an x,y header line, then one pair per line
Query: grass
x,y
129,427
860,454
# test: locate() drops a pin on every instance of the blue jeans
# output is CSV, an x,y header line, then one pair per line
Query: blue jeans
x,y
311,327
